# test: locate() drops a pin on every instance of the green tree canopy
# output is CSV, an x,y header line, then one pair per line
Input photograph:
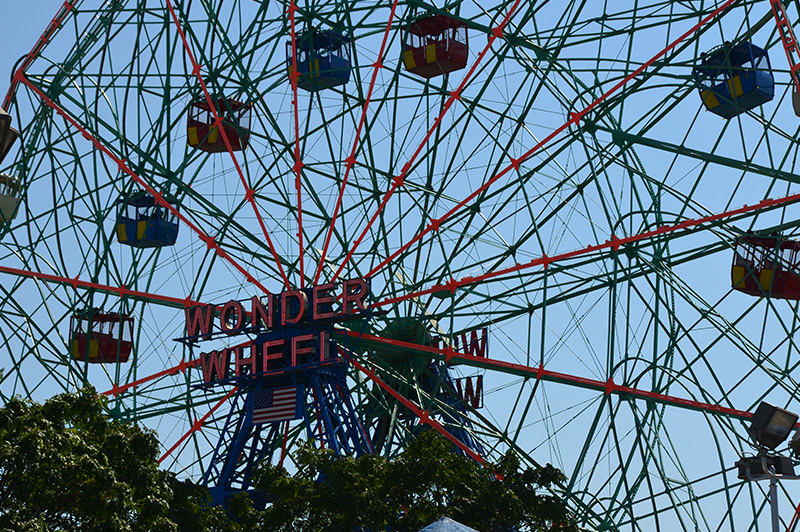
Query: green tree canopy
x,y
64,466
427,481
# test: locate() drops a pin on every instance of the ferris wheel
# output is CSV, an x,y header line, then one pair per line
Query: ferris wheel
x,y
574,223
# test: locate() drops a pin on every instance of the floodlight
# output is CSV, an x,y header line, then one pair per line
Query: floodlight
x,y
7,134
794,443
758,467
771,425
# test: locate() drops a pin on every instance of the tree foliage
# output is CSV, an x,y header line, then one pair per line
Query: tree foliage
x,y
65,466
428,481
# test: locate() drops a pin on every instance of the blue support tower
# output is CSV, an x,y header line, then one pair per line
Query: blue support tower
x,y
322,402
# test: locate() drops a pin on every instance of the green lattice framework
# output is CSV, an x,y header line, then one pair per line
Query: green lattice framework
x,y
566,190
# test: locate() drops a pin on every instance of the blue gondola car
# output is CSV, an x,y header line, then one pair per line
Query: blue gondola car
x,y
734,79
143,223
323,60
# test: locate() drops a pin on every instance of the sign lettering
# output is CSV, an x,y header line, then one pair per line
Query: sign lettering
x,y
289,329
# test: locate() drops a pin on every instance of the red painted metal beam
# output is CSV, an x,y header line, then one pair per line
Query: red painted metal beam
x,y
449,355
298,162
120,291
174,370
788,40
351,159
613,244
575,118
423,415
54,25
794,521
197,425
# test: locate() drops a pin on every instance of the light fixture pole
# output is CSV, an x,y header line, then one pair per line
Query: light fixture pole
x,y
773,499
770,426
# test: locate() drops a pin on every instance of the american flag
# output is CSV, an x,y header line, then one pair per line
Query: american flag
x,y
275,404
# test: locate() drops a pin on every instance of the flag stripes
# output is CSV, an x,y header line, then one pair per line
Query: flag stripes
x,y
275,404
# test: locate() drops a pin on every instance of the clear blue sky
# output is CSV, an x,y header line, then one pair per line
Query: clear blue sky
x,y
23,23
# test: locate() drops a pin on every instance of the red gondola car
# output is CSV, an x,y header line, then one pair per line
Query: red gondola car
x,y
204,135
767,266
436,45
101,337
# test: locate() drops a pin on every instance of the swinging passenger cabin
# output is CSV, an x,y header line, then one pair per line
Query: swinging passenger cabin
x,y
766,266
143,223
8,135
203,134
435,45
101,337
734,79
9,186
323,60
9,197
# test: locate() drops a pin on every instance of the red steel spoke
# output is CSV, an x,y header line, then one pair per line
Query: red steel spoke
x,y
174,370
37,48
794,521
607,387
197,425
283,445
613,243
121,291
397,182
123,167
515,163
182,367
789,41
298,163
351,160
250,193
423,415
